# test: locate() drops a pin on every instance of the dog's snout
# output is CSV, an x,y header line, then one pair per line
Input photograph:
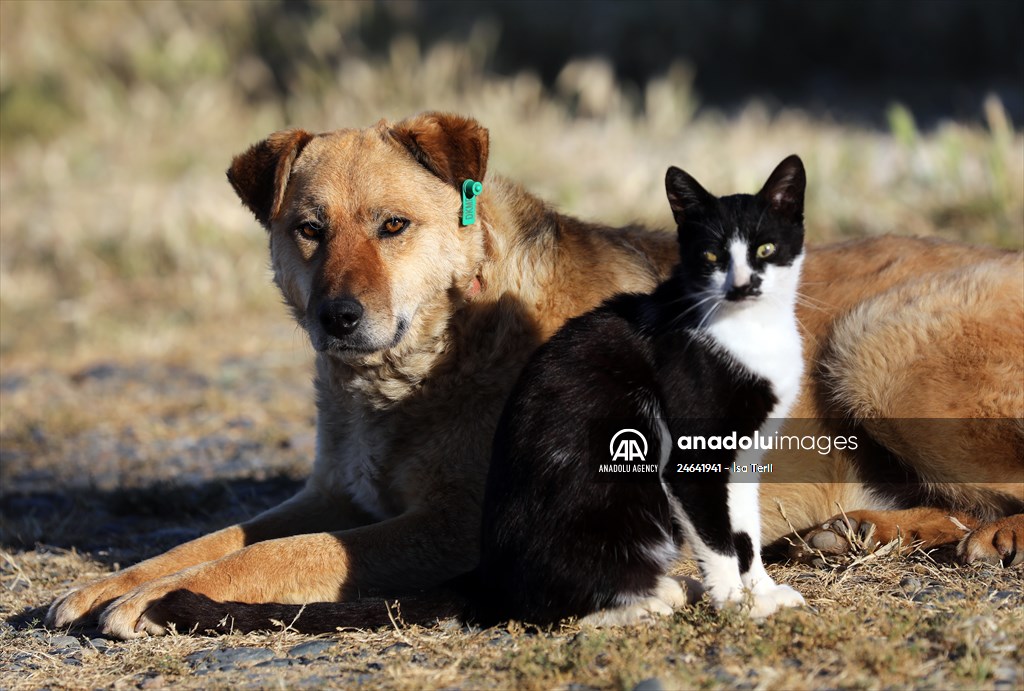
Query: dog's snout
x,y
340,317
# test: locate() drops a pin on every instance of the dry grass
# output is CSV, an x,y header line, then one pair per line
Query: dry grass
x,y
887,622
123,246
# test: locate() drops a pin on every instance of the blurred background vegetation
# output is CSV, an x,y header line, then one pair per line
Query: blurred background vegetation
x,y
119,235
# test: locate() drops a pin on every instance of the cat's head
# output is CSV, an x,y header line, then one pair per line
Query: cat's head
x,y
735,249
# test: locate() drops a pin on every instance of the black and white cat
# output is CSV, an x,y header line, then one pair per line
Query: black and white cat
x,y
714,350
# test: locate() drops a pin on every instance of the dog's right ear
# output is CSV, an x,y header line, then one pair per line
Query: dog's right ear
x,y
260,175
452,147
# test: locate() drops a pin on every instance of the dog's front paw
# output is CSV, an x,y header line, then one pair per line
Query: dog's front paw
x,y
82,605
838,535
768,600
134,615
998,542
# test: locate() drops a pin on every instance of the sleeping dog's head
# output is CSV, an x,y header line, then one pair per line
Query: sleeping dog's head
x,y
365,226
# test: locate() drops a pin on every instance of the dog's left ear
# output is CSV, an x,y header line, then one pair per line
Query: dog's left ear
x,y
452,147
260,175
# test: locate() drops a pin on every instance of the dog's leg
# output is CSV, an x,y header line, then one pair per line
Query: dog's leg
x,y
999,541
923,527
415,550
304,513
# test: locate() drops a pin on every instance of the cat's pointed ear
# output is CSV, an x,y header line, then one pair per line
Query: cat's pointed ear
x,y
784,190
685,195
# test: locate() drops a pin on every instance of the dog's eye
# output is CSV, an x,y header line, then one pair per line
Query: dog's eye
x,y
394,225
766,250
711,257
310,231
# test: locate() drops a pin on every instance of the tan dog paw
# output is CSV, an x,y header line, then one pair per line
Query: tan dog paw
x,y
134,614
866,530
82,605
838,535
998,542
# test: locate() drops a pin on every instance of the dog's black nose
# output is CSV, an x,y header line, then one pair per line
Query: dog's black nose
x,y
340,317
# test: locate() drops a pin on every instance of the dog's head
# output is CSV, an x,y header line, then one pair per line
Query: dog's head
x,y
365,233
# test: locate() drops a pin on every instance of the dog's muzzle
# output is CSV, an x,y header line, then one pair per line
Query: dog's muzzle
x,y
340,317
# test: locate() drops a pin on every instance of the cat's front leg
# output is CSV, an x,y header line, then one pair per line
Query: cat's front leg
x,y
721,524
701,509
766,595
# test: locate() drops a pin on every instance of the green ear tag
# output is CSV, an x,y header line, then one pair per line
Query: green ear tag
x,y
470,191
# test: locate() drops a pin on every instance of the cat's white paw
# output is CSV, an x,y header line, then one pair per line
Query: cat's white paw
x,y
639,612
767,600
679,591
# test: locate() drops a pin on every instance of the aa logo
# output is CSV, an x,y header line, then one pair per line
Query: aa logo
x,y
628,445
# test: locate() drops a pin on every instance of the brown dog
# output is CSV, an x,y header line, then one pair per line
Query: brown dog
x,y
916,347
421,326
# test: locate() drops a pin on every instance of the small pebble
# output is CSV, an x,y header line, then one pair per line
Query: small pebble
x,y
230,658
65,642
395,647
910,583
1007,673
311,648
277,662
725,678
938,595
652,684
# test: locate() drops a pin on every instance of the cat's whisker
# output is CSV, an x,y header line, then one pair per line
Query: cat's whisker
x,y
703,296
700,303
807,333
710,313
808,300
810,305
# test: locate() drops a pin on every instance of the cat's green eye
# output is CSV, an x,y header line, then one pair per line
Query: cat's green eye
x,y
766,250
711,257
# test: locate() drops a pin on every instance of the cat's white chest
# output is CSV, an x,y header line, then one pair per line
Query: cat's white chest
x,y
764,338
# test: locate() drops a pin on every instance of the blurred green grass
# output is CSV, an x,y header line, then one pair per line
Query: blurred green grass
x,y
117,120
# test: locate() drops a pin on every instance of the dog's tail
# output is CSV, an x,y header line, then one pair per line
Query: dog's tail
x,y
188,611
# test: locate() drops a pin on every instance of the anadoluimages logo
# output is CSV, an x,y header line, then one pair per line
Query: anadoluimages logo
x,y
628,445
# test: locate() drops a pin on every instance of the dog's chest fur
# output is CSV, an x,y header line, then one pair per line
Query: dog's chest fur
x,y
360,469
387,455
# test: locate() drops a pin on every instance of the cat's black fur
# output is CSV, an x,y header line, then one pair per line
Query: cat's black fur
x,y
557,540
